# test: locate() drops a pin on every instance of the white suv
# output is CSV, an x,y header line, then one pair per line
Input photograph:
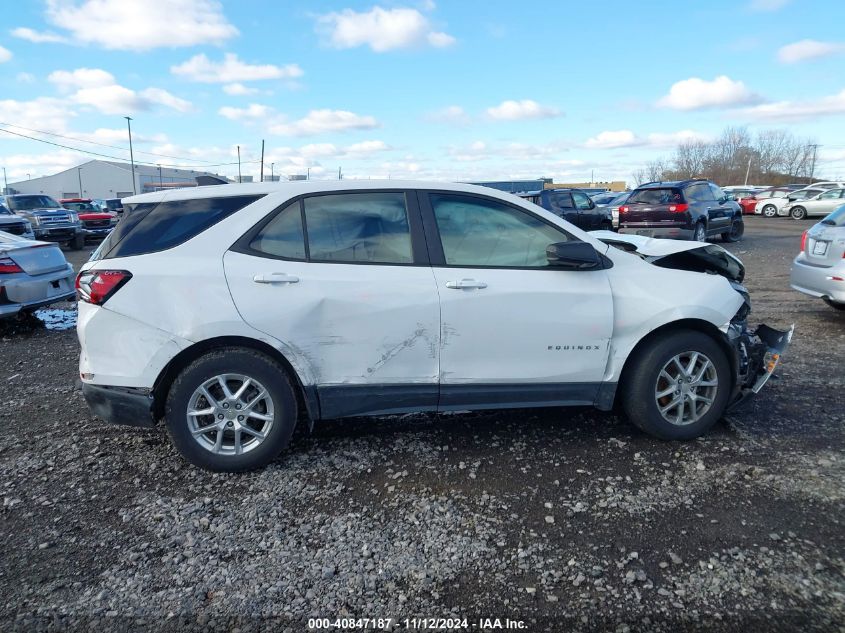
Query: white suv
x,y
229,311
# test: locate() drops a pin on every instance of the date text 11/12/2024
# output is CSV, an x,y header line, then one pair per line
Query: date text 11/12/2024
x,y
416,624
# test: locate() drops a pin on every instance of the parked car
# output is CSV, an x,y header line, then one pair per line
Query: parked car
x,y
613,207
819,268
769,201
573,205
14,224
818,205
747,198
686,209
50,221
792,196
228,310
95,223
826,184
603,198
32,274
111,205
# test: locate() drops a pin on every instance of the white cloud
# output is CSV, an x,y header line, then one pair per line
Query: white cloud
x,y
134,25
380,29
673,139
253,112
99,89
43,113
799,110
238,89
612,139
525,109
808,49
201,69
482,151
39,37
695,94
767,5
5,55
368,147
450,114
320,121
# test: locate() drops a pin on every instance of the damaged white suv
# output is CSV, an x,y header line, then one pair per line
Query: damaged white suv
x,y
233,311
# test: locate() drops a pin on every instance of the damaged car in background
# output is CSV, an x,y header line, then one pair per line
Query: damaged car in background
x,y
232,312
32,275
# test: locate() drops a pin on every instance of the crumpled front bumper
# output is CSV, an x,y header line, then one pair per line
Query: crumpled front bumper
x,y
758,353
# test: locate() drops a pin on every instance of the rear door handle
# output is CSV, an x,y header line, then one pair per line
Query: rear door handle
x,y
465,283
275,278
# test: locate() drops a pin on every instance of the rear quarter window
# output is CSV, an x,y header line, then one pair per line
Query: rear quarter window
x,y
153,227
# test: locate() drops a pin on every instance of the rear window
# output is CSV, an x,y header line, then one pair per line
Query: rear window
x,y
657,195
836,218
152,227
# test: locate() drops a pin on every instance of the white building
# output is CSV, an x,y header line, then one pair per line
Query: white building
x,y
110,179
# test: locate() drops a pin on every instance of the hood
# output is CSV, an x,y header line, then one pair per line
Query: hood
x,y
700,257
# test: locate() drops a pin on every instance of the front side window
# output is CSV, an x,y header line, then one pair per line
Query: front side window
x,y
482,232
830,195
717,194
359,228
560,202
582,202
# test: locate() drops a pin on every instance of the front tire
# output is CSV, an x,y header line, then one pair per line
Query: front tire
x,y
798,213
699,233
736,232
770,211
231,410
678,386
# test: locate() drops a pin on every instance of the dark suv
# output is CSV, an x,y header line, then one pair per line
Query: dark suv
x,y
574,206
684,209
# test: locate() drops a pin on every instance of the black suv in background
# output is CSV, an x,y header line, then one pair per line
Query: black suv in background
x,y
574,206
684,209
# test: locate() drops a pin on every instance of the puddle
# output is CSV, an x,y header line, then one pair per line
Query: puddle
x,y
56,318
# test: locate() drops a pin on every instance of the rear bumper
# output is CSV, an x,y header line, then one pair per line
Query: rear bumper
x,y
668,232
817,281
25,292
120,405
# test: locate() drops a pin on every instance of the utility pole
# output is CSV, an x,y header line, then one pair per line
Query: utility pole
x,y
307,173
272,169
815,147
131,155
160,183
5,182
747,170
239,163
262,160
339,174
79,175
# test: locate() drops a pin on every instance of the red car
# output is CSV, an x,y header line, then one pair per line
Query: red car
x,y
95,223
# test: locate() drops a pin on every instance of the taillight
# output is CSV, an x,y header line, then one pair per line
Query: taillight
x,y
96,286
678,208
9,266
803,240
624,209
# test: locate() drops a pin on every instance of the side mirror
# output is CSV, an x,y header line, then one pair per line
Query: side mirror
x,y
573,256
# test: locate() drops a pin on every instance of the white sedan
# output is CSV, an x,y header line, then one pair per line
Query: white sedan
x,y
227,311
32,274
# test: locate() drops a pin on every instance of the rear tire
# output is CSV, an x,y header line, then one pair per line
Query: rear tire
x,y
267,410
77,243
798,213
644,381
699,233
770,211
736,232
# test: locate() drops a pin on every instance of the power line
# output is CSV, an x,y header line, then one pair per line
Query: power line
x,y
118,158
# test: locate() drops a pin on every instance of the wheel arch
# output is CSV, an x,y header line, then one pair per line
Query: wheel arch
x,y
306,396
697,325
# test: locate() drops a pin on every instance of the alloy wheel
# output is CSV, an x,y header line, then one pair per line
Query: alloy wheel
x,y
769,211
230,414
686,388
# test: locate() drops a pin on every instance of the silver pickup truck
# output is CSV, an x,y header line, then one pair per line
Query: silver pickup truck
x,y
50,221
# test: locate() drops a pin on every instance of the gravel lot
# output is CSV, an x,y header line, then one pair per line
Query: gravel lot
x,y
569,520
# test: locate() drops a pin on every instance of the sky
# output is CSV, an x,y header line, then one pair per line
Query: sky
x,y
447,90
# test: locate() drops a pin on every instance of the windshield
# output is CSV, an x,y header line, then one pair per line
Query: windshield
x,y
113,204
836,218
81,206
656,196
28,203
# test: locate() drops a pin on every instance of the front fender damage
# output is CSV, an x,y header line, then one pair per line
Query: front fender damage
x,y
757,354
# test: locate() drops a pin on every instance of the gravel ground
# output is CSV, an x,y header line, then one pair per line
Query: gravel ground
x,y
564,519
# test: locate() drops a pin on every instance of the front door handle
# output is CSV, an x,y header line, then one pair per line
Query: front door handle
x,y
465,283
275,278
